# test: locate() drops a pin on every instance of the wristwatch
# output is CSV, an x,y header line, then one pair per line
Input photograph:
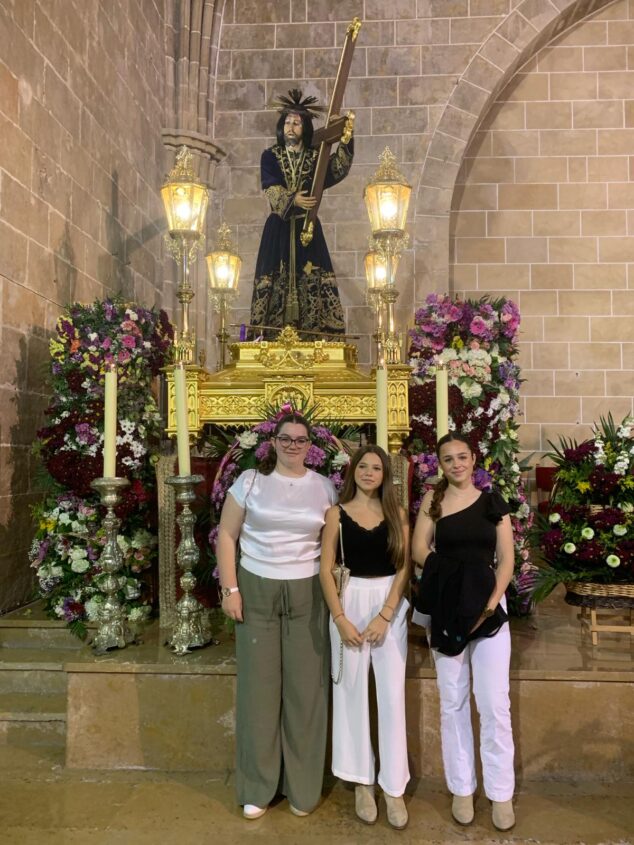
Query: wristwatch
x,y
225,592
487,612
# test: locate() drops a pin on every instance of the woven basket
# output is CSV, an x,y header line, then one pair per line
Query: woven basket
x,y
589,594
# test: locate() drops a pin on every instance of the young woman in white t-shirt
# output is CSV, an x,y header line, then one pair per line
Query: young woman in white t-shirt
x,y
275,515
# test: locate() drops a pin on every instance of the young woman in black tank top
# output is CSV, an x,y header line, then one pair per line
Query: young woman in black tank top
x,y
369,625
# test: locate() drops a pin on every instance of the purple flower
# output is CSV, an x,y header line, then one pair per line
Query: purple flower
x,y
72,609
315,456
337,479
213,538
266,427
482,480
263,450
480,328
85,434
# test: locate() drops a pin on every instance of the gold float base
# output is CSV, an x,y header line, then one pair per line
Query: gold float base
x,y
304,373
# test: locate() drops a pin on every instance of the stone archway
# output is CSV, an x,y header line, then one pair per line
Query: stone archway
x,y
529,27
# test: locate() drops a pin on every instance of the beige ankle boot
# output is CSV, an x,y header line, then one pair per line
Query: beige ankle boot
x,y
503,814
396,811
462,809
364,803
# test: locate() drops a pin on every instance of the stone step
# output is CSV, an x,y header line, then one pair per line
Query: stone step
x,y
23,674
37,635
30,720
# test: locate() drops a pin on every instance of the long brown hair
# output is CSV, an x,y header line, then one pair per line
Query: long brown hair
x,y
435,510
267,464
388,497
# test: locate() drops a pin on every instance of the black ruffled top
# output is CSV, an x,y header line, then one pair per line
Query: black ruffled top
x,y
459,576
365,549
470,534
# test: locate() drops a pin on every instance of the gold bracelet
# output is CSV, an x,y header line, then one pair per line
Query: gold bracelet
x,y
334,618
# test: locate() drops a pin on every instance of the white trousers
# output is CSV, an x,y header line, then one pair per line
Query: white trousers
x,y
352,753
488,659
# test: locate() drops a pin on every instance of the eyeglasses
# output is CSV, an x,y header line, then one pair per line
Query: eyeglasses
x,y
285,441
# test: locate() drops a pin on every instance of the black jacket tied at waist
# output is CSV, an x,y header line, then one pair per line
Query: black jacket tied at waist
x,y
454,594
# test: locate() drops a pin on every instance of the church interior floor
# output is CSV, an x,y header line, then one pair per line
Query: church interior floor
x,y
41,803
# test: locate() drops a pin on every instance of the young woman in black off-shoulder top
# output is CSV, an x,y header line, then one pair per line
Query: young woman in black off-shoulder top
x,y
369,625
464,539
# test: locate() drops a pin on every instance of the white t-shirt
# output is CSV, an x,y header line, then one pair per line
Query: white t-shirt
x,y
281,533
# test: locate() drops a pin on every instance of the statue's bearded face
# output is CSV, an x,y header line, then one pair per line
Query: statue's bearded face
x,y
293,130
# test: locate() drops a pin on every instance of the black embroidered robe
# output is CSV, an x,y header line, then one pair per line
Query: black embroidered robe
x,y
308,297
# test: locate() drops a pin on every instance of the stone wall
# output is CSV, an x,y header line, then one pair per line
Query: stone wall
x,y
543,214
503,136
86,89
81,111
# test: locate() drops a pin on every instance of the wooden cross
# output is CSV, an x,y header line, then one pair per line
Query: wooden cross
x,y
333,131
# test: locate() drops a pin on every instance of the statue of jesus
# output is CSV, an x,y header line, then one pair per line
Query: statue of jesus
x,y
295,284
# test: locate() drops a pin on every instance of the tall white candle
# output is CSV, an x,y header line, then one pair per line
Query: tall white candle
x,y
381,407
182,428
110,423
442,402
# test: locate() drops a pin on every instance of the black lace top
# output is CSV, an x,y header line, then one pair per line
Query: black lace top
x,y
365,549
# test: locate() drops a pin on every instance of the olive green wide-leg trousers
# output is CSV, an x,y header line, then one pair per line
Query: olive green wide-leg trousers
x,y
282,691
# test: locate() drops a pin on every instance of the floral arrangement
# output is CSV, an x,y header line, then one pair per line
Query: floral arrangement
x,y
476,340
588,534
326,455
68,540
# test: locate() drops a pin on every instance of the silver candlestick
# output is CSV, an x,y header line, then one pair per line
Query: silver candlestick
x,y
190,628
112,628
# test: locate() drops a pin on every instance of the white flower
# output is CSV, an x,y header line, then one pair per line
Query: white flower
x,y
554,517
587,533
138,614
340,460
80,564
142,539
248,439
570,548
123,543
59,609
613,561
470,389
92,608
64,519
131,315
620,530
627,507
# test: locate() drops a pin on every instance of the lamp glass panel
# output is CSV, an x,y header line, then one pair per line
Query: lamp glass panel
x,y
387,204
223,269
185,206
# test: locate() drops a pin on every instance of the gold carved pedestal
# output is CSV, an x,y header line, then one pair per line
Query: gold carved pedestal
x,y
322,373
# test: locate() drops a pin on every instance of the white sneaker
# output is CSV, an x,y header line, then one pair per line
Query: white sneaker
x,y
252,811
296,812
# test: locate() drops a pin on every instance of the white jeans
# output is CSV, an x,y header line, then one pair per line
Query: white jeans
x,y
352,754
488,658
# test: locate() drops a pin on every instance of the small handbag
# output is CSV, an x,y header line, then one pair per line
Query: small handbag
x,y
340,571
341,574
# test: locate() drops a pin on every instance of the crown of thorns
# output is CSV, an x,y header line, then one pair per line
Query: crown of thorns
x,y
294,103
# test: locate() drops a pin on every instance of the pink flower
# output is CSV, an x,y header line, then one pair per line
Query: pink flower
x,y
128,341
